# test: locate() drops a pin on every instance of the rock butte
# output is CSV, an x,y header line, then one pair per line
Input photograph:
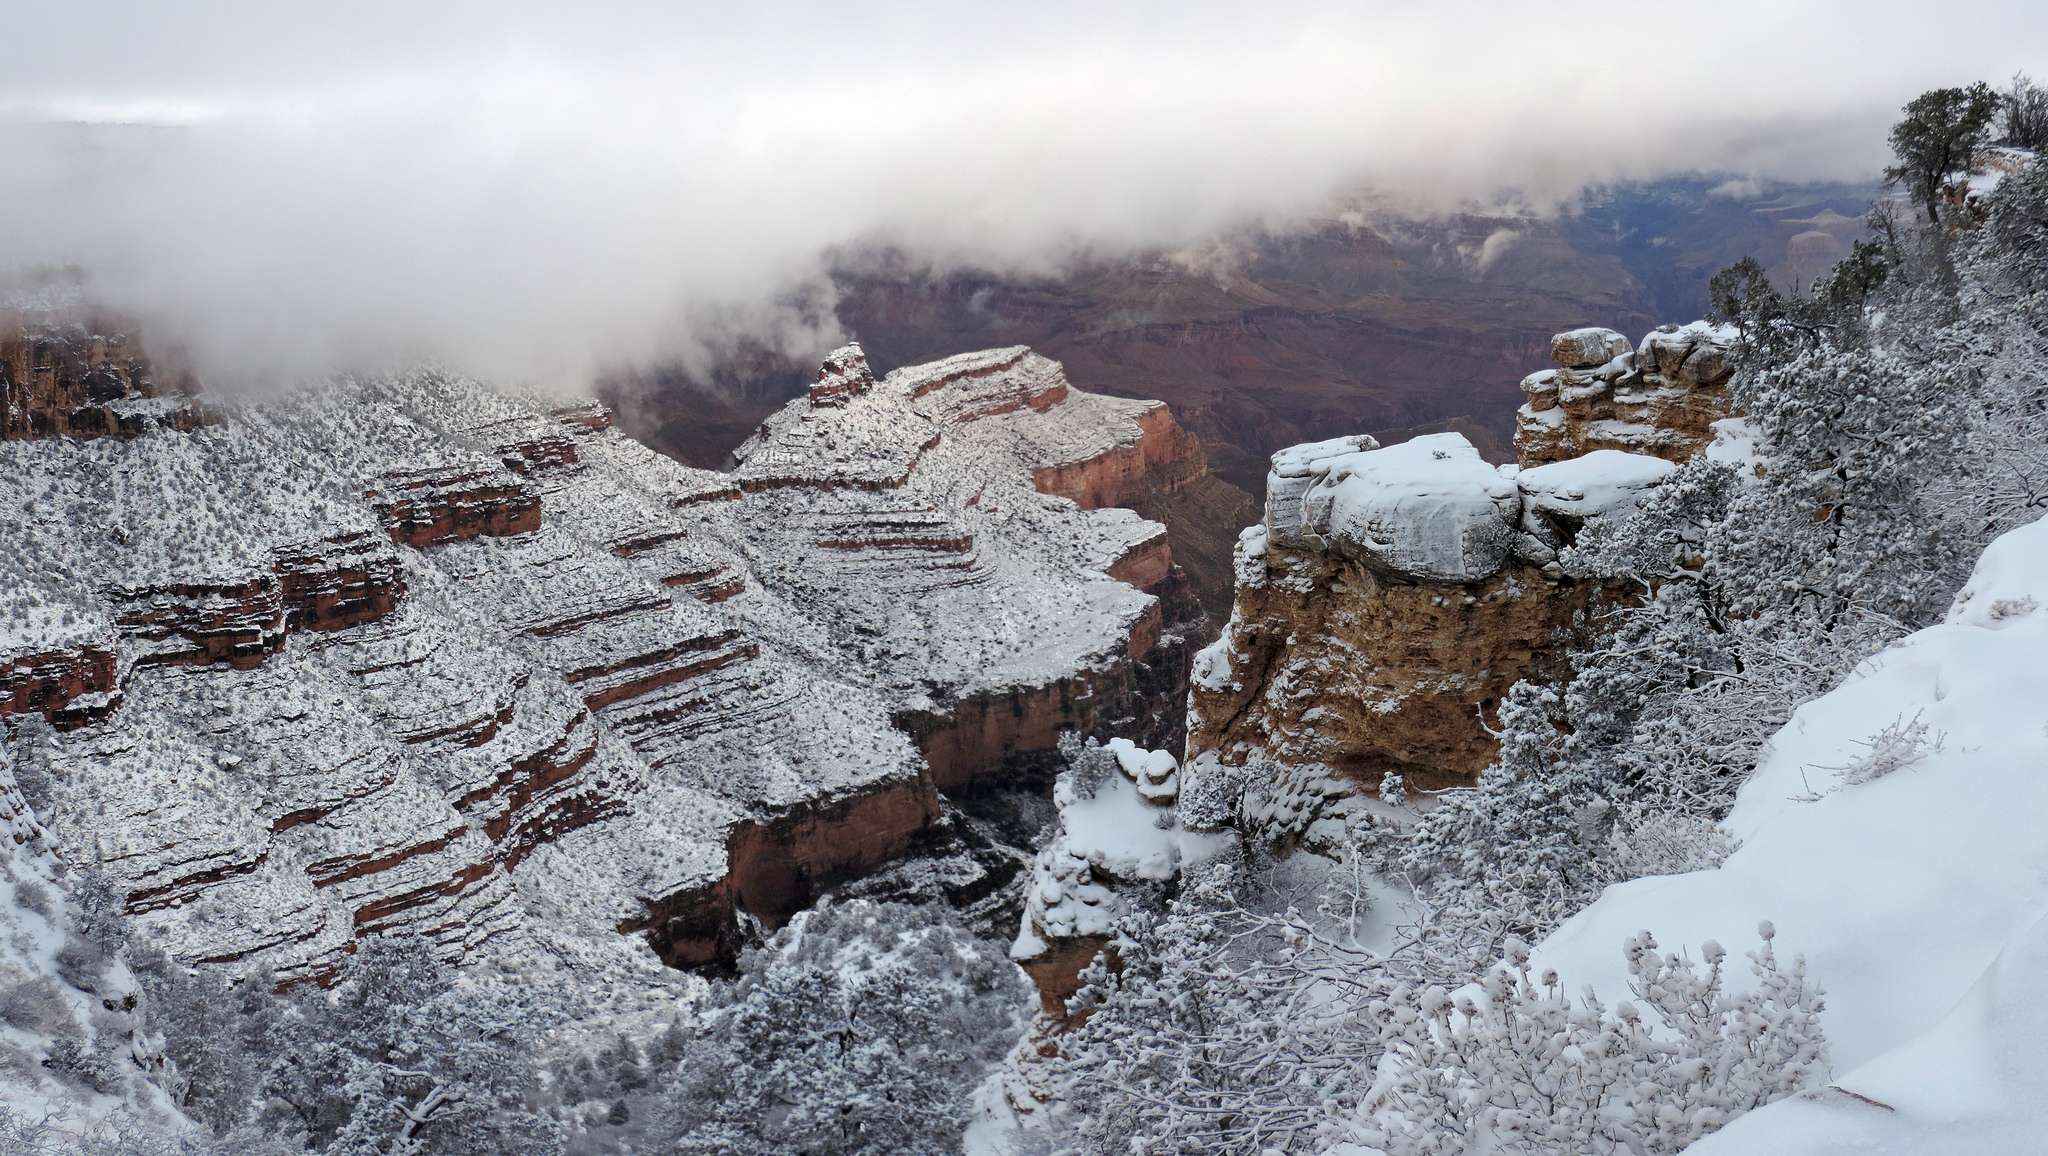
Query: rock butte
x,y
1384,605
1390,597
413,656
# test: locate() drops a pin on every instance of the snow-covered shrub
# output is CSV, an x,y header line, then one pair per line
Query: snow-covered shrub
x,y
1526,1069
212,1032
78,1062
1900,744
402,1056
79,963
859,1028
33,1004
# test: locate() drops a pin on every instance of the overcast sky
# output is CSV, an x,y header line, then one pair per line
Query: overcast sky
x,y
529,188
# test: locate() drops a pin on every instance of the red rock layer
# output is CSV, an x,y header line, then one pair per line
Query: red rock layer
x,y
1138,692
236,624
68,687
776,867
1164,457
1145,565
590,416
539,455
452,503
338,582
68,381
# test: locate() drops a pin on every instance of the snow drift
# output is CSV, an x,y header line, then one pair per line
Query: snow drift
x,y
1893,835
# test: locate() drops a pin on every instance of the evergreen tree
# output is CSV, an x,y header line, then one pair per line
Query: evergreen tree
x,y
1937,139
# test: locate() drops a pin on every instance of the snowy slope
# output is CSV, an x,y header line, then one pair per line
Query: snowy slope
x,y
1894,837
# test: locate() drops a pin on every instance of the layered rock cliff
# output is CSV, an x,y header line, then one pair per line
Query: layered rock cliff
x,y
411,656
1390,597
84,377
1660,397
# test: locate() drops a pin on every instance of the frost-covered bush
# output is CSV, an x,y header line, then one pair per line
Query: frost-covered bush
x,y
1900,744
403,1056
80,962
1222,1028
212,1032
859,1028
78,1062
34,1005
1528,1070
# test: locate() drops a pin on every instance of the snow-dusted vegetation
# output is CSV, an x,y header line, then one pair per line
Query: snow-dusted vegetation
x,y
402,766
1808,738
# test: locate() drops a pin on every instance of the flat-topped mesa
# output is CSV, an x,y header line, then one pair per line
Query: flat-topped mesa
x,y
83,381
1136,474
1390,597
1660,397
844,374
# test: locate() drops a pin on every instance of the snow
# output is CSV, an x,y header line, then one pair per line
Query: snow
x,y
1917,898
1734,444
1116,832
1299,461
532,649
1429,507
1591,484
1115,836
1587,347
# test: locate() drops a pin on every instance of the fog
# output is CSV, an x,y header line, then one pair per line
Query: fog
x,y
536,190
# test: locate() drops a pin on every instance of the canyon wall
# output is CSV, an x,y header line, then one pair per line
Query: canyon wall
x,y
84,378
413,656
1390,597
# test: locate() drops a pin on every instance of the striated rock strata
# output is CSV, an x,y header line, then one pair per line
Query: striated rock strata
x,y
1660,397
415,657
64,378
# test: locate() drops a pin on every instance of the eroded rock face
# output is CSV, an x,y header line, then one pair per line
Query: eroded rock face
x,y
1390,597
421,508
1660,398
61,378
412,657
1121,842
69,687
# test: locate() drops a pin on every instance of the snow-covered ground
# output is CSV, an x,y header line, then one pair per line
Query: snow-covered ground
x,y
1894,835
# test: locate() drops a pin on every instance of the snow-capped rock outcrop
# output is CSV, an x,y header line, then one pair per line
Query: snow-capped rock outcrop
x,y
414,657
1391,596
1120,840
1659,398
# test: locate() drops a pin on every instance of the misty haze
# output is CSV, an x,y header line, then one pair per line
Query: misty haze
x,y
1355,579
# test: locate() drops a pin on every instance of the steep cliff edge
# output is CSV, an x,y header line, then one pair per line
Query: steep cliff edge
x,y
84,377
1390,597
412,656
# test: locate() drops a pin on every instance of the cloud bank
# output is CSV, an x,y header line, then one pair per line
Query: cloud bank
x,y
532,190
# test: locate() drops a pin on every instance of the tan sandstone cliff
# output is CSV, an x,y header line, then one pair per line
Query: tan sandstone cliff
x,y
1390,597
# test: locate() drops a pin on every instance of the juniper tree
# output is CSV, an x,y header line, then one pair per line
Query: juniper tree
x,y
1937,139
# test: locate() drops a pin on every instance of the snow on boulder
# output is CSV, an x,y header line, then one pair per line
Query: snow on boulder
x,y
1893,834
1119,839
1591,484
1588,348
1429,508
1292,474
